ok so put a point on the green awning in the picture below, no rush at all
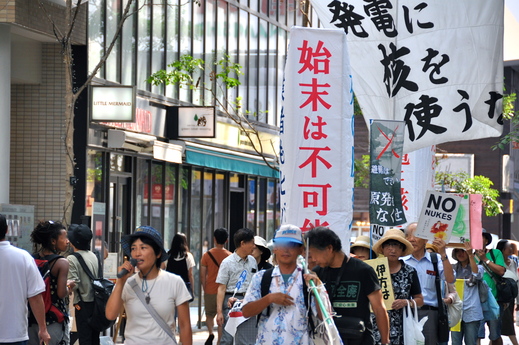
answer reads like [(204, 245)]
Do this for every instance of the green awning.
[(229, 162)]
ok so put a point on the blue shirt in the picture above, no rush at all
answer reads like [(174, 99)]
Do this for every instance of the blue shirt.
[(426, 276), (471, 303)]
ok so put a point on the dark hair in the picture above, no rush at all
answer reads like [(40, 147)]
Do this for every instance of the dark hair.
[(179, 246), (245, 235), (3, 226), (391, 241), (221, 235), (501, 244), (45, 232), (149, 242), (321, 237)]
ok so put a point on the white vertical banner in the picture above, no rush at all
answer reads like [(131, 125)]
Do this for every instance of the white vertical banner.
[(316, 137), (417, 176)]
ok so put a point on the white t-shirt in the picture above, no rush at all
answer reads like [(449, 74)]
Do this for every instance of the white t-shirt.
[(166, 292), (20, 279)]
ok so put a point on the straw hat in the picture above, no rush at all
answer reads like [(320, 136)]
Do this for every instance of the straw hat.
[(361, 241), (397, 235)]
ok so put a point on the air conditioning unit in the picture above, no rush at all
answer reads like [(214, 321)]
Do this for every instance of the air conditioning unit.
[(131, 141)]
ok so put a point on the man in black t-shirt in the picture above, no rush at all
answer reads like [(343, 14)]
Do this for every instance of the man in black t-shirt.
[(352, 286)]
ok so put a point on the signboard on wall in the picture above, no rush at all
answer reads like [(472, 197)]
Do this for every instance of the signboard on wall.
[(191, 122), (112, 103)]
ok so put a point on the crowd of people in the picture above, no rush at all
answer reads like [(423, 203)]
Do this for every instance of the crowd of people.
[(266, 283)]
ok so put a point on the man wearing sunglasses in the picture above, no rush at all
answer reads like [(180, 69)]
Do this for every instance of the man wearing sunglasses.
[(283, 311)]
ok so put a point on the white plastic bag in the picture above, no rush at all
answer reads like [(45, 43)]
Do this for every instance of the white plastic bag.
[(412, 327), (454, 310)]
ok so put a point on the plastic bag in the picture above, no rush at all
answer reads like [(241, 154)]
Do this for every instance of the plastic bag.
[(412, 327), (454, 310)]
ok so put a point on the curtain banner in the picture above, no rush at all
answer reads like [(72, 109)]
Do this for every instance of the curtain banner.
[(437, 65)]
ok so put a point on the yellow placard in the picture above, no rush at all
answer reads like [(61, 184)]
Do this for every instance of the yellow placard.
[(381, 267), (460, 288)]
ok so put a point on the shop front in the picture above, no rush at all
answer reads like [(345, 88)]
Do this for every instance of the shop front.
[(135, 176)]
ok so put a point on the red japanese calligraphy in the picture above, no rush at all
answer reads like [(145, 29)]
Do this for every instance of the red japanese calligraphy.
[(308, 225), (314, 157), (315, 95), (313, 60), (405, 159), (403, 193), (318, 133), (314, 198)]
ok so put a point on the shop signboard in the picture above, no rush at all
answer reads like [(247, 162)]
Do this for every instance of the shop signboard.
[(112, 103)]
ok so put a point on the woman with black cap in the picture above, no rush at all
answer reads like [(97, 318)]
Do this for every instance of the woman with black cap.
[(150, 297), (80, 237)]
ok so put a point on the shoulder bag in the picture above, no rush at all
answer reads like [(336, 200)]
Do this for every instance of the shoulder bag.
[(443, 316), (506, 287), (152, 311)]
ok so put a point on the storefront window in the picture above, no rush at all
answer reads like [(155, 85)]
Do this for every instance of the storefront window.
[(157, 45), (143, 46), (195, 231), (142, 193), (220, 202), (271, 204), (157, 183), (208, 214), (184, 201), (95, 177), (170, 207), (261, 196), (251, 204)]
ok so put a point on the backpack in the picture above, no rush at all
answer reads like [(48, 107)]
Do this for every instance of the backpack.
[(45, 265), (265, 287), (506, 287), (102, 290)]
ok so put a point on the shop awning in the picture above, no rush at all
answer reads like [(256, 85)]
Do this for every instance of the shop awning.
[(241, 163)]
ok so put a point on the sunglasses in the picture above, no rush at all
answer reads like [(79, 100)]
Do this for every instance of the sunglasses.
[(289, 245)]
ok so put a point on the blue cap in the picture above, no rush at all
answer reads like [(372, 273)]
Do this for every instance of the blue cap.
[(288, 233)]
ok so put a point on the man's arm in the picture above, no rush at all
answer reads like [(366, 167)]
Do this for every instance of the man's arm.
[(375, 298), (203, 275), (448, 271), (38, 310), (219, 303)]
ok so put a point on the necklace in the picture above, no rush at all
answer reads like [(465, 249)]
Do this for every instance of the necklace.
[(144, 286)]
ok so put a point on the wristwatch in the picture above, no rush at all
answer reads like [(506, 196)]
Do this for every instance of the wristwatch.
[(487, 262)]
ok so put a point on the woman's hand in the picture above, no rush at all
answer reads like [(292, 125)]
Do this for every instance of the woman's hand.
[(400, 303), (127, 266), (468, 246)]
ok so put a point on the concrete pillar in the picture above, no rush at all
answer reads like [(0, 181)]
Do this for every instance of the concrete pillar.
[(5, 111)]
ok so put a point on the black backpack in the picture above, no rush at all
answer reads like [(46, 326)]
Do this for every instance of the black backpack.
[(265, 288), (102, 291)]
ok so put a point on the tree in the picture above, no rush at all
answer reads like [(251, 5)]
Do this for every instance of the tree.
[(63, 36), (462, 183), (223, 76)]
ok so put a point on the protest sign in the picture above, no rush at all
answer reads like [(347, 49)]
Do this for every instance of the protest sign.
[(438, 216), (381, 267), (386, 145)]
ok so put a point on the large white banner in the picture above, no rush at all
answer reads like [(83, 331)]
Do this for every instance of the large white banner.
[(316, 137), (437, 65)]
